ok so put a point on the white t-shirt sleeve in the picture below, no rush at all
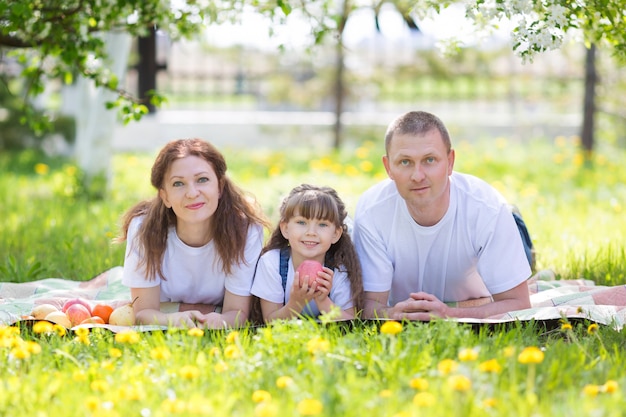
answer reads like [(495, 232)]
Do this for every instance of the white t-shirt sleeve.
[(240, 281), (502, 263), (133, 275), (341, 292), (375, 264), (267, 283)]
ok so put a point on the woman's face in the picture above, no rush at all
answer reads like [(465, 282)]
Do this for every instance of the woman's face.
[(192, 190)]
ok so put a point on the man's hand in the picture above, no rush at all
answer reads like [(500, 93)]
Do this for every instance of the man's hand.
[(419, 306)]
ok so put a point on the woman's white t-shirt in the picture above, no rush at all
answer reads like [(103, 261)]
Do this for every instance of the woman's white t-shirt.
[(193, 274)]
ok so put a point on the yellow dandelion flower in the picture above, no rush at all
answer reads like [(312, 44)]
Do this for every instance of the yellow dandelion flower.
[(132, 393), (565, 327), (420, 384), (391, 327), (215, 351), (402, 414), (578, 159), (33, 347), (266, 409), (558, 158), (59, 330), (366, 166), (284, 381), (108, 365), (459, 383), (42, 169), (352, 171), (79, 376), (317, 345), (71, 170), (424, 399), (531, 354), (232, 337), (99, 385), (189, 372), (92, 403), (20, 352), (386, 393), (220, 367), (42, 326), (160, 353), (508, 351), (468, 355), (115, 353), (82, 332), (260, 396), (490, 402), (232, 352), (491, 365), (130, 337), (610, 386), (173, 406), (593, 328), (591, 390), (447, 366), (560, 141), (310, 407), (198, 405), (362, 152), (274, 171), (195, 332)]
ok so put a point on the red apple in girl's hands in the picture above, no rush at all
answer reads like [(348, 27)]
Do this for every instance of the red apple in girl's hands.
[(310, 268)]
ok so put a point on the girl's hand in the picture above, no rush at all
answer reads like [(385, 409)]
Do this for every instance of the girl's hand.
[(324, 283), (301, 293)]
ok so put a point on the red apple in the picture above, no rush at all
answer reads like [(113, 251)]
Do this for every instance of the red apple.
[(309, 268), (73, 301), (77, 313)]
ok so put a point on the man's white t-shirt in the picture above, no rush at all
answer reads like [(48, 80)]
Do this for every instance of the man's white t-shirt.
[(474, 251), (193, 274), (268, 284)]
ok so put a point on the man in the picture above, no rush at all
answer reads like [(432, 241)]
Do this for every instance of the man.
[(434, 242)]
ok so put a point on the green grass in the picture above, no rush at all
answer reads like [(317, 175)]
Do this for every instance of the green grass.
[(575, 215)]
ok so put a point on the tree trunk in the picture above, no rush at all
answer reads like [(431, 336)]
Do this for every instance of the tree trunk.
[(589, 107), (95, 123), (340, 90), (147, 67)]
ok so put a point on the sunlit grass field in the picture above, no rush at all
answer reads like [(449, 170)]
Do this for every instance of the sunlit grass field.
[(574, 211)]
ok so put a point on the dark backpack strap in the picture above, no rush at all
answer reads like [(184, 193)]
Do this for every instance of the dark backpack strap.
[(526, 240), (284, 268)]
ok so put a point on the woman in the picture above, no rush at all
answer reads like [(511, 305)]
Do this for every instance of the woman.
[(195, 243)]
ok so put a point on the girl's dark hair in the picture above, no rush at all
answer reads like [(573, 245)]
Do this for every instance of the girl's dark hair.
[(315, 202), (235, 213)]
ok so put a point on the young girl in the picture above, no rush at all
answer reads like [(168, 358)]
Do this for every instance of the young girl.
[(312, 227), (195, 243)]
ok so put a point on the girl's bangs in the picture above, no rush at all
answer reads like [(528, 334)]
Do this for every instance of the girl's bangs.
[(313, 205)]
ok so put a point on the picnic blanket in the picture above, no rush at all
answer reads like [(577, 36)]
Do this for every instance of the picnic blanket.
[(550, 299)]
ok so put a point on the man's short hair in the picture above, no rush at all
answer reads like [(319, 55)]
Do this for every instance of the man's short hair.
[(416, 123)]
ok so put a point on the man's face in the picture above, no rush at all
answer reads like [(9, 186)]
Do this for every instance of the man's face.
[(420, 166)]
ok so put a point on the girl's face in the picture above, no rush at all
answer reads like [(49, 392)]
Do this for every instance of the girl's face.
[(192, 190), (309, 238)]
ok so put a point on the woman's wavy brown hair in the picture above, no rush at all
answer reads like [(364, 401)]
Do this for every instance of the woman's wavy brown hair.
[(235, 213)]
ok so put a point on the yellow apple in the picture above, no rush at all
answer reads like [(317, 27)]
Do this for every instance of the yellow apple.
[(42, 310), (60, 318)]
